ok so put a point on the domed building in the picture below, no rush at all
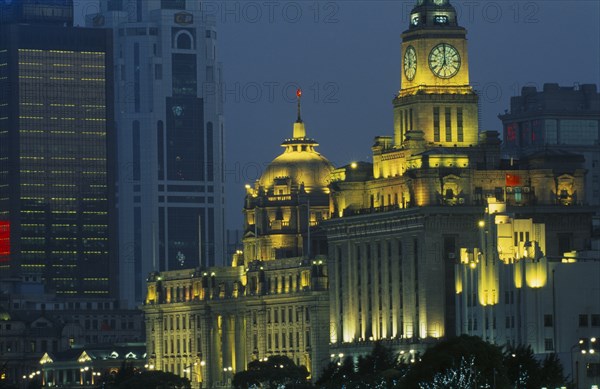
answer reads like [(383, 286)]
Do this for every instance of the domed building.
[(273, 300), (284, 207)]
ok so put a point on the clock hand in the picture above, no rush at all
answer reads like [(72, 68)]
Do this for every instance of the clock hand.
[(445, 56)]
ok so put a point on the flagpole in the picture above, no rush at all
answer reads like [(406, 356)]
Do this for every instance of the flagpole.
[(308, 224)]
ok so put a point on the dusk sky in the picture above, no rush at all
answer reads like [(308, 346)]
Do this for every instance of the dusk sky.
[(346, 57)]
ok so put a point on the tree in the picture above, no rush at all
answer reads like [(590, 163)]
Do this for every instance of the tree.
[(447, 355), (380, 359), (464, 376), (552, 372), (154, 380), (337, 372), (379, 369), (277, 371), (522, 368)]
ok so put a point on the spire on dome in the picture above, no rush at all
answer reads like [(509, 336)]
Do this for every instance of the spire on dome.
[(299, 96), (299, 129)]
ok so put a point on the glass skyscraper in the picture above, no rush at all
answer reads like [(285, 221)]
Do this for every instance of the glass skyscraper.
[(170, 138), (56, 145)]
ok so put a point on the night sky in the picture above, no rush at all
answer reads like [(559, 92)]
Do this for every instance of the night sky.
[(346, 57)]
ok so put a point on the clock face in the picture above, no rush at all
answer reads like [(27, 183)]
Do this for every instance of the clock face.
[(410, 63), (444, 60)]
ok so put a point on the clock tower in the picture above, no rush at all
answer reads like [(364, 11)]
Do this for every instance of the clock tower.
[(435, 96)]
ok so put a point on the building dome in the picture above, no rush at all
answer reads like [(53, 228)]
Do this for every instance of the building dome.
[(299, 163)]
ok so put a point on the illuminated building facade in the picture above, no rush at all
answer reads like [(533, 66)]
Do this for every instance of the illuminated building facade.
[(398, 224), (170, 124), (208, 324), (289, 200), (565, 118), (56, 165), (509, 291), (393, 231)]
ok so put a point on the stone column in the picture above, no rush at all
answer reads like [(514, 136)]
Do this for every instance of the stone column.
[(216, 361), (240, 344), (227, 343)]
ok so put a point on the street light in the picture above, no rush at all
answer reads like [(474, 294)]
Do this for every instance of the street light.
[(188, 369)]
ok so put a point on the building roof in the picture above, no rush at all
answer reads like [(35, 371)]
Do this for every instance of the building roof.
[(102, 352), (299, 162)]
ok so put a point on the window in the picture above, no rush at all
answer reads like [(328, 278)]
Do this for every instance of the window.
[(593, 370), (172, 4), (583, 320), (548, 321), (459, 125), (596, 320), (184, 41), (499, 193), (115, 5), (184, 75), (549, 344), (448, 124), (440, 19), (436, 124), (564, 243)]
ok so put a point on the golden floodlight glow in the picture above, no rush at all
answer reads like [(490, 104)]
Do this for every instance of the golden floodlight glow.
[(353, 165)]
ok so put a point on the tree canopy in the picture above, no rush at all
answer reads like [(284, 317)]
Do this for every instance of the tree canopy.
[(276, 371)]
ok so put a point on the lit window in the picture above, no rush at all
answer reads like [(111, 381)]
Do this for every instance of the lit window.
[(441, 19)]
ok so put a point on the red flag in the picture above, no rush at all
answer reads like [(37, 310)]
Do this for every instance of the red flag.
[(513, 180)]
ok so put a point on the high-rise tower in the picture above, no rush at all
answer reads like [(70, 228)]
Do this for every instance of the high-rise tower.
[(170, 137), (56, 144)]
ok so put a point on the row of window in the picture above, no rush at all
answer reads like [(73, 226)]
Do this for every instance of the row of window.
[(585, 320), (276, 315), (274, 340), (448, 124), (177, 346)]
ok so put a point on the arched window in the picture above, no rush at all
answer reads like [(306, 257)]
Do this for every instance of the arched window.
[(184, 41)]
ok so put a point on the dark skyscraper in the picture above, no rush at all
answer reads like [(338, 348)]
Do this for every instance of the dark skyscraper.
[(56, 204), (170, 138)]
